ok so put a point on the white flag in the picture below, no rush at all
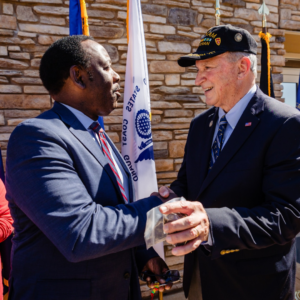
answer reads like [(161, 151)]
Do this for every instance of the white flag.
[(137, 144)]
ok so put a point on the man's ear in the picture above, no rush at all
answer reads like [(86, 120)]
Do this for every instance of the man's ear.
[(76, 75), (244, 67)]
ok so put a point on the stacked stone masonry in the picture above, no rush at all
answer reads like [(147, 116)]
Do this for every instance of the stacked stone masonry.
[(172, 28)]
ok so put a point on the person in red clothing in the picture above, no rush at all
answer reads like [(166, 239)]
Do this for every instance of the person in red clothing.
[(5, 224)]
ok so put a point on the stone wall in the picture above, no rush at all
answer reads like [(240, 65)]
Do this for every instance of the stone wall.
[(172, 28), (290, 15)]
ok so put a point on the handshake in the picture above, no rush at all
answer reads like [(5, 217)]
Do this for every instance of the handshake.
[(190, 231)]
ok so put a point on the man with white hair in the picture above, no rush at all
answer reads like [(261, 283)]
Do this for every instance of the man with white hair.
[(241, 175)]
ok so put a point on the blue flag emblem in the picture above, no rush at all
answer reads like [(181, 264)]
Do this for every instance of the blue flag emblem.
[(146, 154), (143, 124), (143, 128)]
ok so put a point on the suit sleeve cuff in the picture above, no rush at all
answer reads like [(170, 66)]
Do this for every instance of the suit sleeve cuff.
[(142, 255)]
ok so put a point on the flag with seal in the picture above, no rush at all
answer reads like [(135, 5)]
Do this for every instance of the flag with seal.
[(137, 144)]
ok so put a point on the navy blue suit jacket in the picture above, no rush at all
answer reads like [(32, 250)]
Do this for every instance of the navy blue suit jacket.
[(252, 199), (75, 238)]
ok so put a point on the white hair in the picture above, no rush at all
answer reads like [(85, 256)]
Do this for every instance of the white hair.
[(235, 56)]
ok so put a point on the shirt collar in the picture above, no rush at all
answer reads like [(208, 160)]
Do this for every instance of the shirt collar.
[(83, 119), (235, 113)]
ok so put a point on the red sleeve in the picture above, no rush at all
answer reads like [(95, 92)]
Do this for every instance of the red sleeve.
[(5, 217)]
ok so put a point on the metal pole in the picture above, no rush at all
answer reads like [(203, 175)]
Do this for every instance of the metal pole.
[(218, 14), (84, 17), (161, 295)]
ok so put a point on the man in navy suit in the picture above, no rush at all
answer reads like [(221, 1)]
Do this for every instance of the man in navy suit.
[(241, 173), (78, 233)]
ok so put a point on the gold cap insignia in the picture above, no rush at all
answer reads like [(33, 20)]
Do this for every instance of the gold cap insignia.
[(238, 37)]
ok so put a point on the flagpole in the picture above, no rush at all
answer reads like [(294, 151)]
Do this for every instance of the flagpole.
[(161, 296), (84, 17), (266, 83), (218, 14)]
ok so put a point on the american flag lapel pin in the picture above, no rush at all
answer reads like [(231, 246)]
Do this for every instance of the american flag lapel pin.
[(248, 124)]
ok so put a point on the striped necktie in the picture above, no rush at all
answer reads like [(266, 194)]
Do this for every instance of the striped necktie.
[(218, 143), (95, 126)]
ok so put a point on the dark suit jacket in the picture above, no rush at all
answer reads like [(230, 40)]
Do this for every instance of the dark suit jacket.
[(252, 199), (74, 236)]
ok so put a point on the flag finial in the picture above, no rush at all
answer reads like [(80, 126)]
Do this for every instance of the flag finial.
[(263, 10)]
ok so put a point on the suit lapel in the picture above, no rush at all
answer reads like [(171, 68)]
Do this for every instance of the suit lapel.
[(123, 164), (202, 148), (238, 137), (77, 129), (118, 155)]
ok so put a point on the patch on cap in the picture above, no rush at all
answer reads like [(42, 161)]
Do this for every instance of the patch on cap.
[(205, 41), (238, 37), (218, 41)]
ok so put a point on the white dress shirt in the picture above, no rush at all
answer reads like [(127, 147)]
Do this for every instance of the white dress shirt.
[(86, 122), (232, 118)]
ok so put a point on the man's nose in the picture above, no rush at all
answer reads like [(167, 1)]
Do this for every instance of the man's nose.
[(199, 79), (116, 76)]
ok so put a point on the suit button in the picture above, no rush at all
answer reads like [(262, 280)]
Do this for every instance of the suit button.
[(127, 275)]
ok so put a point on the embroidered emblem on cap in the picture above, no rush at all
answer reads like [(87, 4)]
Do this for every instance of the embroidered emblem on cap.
[(218, 41), (238, 37), (205, 41)]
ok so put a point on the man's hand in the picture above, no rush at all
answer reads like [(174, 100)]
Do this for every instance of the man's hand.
[(193, 229), (157, 266), (164, 194)]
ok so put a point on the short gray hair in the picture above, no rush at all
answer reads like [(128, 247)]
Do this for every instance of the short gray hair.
[(235, 56)]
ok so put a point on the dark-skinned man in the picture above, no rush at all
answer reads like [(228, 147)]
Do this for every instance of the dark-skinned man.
[(241, 173), (78, 233)]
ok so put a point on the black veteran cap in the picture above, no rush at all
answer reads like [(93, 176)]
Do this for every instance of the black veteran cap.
[(218, 40)]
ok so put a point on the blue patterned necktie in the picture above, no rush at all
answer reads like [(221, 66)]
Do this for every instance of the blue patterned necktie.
[(218, 143)]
